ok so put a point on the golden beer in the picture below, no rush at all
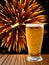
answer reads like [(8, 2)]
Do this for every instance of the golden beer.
[(34, 36)]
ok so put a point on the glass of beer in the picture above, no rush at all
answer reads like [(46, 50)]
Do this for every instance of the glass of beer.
[(34, 37)]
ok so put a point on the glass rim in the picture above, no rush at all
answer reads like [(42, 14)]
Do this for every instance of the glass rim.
[(35, 25)]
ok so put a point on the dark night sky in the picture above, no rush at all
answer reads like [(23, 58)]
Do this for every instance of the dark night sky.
[(44, 3)]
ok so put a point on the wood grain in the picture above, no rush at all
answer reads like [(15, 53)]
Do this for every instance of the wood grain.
[(21, 59)]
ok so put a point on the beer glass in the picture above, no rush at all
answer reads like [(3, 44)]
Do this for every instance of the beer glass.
[(34, 37)]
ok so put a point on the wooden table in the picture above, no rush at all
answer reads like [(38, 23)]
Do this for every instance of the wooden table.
[(19, 59)]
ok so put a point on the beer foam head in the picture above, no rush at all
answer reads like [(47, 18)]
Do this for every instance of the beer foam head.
[(35, 25)]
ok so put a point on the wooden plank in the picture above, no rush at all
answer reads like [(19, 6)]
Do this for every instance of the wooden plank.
[(1, 56), (6, 62), (19, 59), (3, 59), (9, 61), (13, 60)]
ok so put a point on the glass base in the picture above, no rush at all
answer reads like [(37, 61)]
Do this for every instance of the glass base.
[(30, 58)]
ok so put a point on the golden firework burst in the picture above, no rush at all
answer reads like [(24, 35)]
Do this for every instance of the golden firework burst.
[(12, 17)]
